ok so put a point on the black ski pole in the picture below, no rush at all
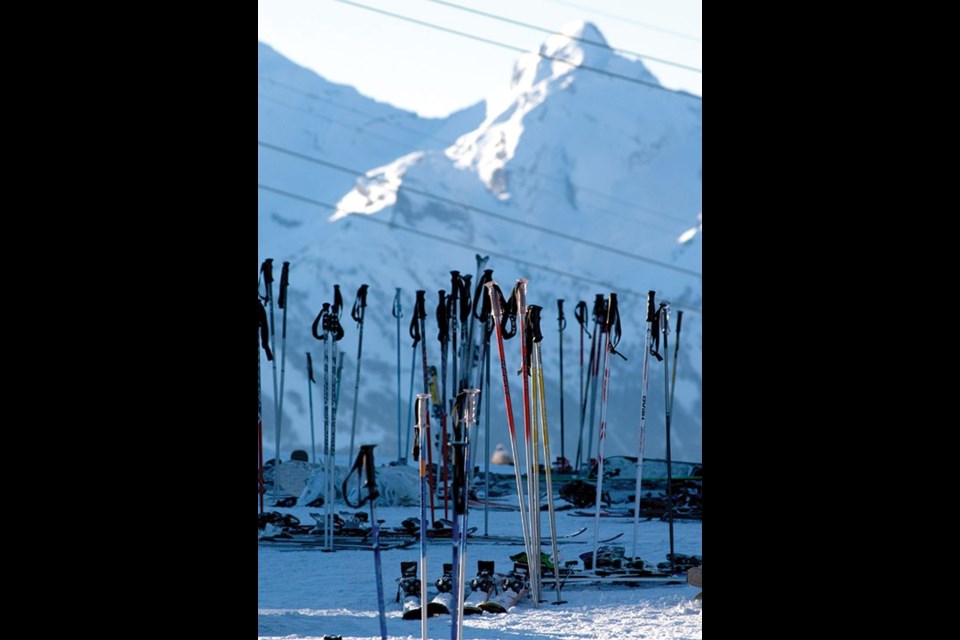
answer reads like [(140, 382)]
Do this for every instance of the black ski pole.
[(562, 323), (310, 381), (282, 303), (397, 312), (665, 329), (357, 313), (261, 341), (580, 313)]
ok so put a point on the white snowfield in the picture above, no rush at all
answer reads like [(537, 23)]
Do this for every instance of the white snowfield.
[(309, 594)]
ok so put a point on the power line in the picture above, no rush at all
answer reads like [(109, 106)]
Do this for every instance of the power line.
[(487, 212), (652, 27), (504, 45), (595, 43), (449, 241), (448, 143)]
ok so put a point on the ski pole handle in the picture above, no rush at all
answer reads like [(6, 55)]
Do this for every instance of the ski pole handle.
[(320, 321), (679, 321), (359, 304), (366, 452), (481, 302), (533, 314), (600, 310), (284, 283), (337, 301), (651, 306), (397, 310), (264, 330), (310, 368), (561, 320), (267, 270), (465, 298), (580, 313), (443, 323)]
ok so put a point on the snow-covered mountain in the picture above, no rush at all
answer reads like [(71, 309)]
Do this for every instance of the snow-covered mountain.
[(581, 182)]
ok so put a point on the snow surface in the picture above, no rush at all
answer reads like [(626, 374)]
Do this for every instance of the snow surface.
[(583, 154), (307, 594)]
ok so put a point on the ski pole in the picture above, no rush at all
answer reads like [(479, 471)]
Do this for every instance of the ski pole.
[(336, 335), (644, 386), (562, 324), (443, 336), (612, 334), (357, 313), (364, 466), (529, 452), (665, 329), (496, 310), (282, 303), (397, 312), (420, 444), (418, 332), (261, 341), (267, 270), (310, 379), (599, 318), (541, 402), (580, 313)]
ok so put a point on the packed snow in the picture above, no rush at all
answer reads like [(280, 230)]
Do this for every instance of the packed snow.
[(310, 593)]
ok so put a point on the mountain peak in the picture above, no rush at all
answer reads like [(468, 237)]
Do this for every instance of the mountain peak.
[(579, 42)]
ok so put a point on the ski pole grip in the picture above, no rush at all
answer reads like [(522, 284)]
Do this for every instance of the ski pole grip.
[(267, 270), (465, 284), (651, 306), (284, 283), (366, 451), (337, 301), (598, 308), (679, 321), (420, 306), (454, 284), (443, 324), (359, 304), (534, 314), (320, 321), (397, 309), (560, 317)]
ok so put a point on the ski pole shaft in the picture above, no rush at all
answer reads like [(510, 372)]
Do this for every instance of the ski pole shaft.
[(282, 303), (420, 455), (644, 386), (358, 313), (665, 329), (397, 312), (562, 324)]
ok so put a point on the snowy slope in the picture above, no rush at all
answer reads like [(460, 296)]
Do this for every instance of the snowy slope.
[(592, 157)]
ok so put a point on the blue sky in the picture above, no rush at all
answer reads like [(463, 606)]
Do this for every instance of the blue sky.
[(435, 73)]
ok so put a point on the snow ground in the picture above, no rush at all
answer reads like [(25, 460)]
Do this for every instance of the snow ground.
[(309, 593)]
